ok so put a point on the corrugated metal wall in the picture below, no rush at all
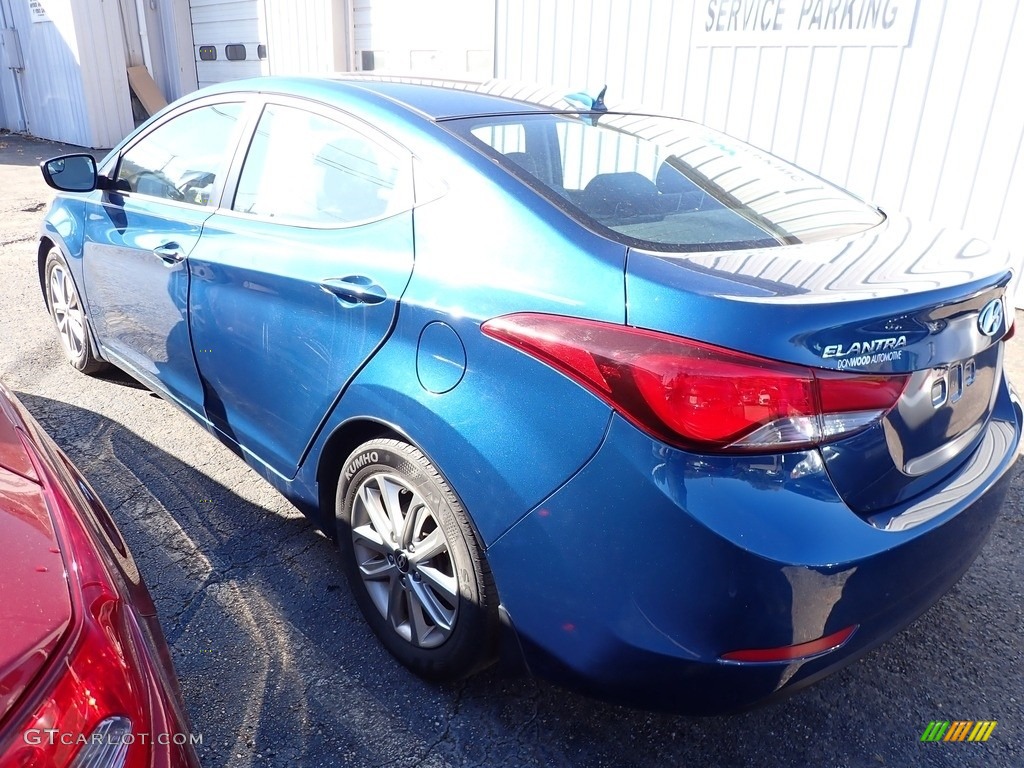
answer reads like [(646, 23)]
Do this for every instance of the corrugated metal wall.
[(306, 36), (101, 48), (174, 22), (450, 38), (73, 86), (932, 127), (50, 83)]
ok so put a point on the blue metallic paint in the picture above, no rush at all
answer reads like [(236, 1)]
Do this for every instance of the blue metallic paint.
[(137, 302), (666, 577), (272, 376), (514, 263), (440, 358), (627, 567), (672, 295), (500, 468)]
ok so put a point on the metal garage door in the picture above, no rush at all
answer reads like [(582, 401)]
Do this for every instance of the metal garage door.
[(228, 40), (453, 38)]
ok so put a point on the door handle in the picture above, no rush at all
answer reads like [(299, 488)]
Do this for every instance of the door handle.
[(354, 289), (170, 253)]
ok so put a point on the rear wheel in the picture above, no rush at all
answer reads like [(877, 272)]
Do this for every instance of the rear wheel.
[(68, 315), (415, 566)]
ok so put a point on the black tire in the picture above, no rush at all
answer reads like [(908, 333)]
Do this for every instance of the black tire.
[(402, 592), (68, 314)]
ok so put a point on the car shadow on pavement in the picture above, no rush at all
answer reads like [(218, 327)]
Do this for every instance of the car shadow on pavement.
[(279, 668), (116, 376)]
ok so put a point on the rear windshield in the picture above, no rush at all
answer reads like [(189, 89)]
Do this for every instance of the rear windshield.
[(667, 184)]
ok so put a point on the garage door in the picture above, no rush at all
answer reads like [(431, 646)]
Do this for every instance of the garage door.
[(228, 42), (453, 38)]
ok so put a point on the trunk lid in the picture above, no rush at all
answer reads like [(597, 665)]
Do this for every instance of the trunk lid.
[(898, 298)]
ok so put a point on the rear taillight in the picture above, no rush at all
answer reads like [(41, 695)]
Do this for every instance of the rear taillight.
[(89, 708), (698, 396)]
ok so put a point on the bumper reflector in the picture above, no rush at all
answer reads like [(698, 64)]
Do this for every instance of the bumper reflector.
[(793, 652)]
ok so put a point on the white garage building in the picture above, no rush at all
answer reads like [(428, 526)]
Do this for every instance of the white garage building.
[(913, 104), (64, 62)]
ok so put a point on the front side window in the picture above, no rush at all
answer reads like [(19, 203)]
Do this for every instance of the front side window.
[(181, 159), (668, 184), (308, 169)]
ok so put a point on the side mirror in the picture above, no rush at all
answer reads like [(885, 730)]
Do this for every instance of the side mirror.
[(71, 173)]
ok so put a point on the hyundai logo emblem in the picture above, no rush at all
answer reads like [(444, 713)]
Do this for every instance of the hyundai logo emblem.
[(990, 319)]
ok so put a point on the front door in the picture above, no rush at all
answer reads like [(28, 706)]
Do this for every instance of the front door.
[(138, 239), (296, 280)]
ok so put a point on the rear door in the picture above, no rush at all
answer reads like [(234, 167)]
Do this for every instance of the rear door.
[(297, 277), (138, 239)]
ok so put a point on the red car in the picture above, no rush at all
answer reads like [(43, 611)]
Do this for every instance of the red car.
[(85, 673)]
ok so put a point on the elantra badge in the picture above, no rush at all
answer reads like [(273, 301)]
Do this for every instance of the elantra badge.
[(865, 347), (990, 319)]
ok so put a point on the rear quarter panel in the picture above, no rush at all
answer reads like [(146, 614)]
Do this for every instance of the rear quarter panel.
[(512, 429)]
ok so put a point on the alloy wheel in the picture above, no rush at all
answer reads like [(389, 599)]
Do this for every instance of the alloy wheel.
[(67, 311), (404, 560)]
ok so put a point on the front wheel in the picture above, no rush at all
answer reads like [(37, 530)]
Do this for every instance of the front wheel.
[(413, 561), (68, 315)]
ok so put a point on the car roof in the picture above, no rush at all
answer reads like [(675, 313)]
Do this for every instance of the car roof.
[(435, 99)]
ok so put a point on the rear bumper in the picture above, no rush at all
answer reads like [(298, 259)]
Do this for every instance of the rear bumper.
[(633, 580)]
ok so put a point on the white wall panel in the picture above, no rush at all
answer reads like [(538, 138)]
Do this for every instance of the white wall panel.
[(975, 102), (447, 38), (844, 118), (51, 81), (561, 66), (771, 65), (101, 51), (173, 24), (941, 95), (792, 102), (74, 85), (866, 158), (817, 107), (210, 11), (741, 96), (306, 36), (658, 59), (922, 115), (716, 100), (999, 163), (219, 33)]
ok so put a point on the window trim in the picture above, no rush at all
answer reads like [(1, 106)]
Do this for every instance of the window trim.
[(112, 166), (402, 154)]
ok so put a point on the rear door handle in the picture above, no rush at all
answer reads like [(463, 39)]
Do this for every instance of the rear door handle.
[(354, 289), (170, 253)]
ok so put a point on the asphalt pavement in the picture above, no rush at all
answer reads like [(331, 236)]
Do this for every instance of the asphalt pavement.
[(279, 669)]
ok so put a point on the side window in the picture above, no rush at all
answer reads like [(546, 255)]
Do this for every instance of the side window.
[(180, 160), (306, 168)]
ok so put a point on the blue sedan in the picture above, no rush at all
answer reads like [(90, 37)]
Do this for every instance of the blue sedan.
[(650, 410)]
